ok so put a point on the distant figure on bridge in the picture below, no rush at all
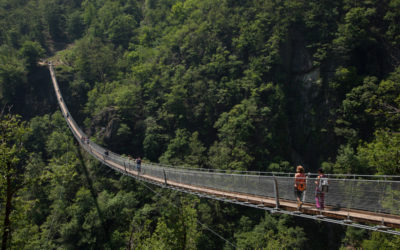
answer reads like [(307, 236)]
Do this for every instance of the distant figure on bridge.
[(299, 185), (85, 139), (138, 164), (321, 186)]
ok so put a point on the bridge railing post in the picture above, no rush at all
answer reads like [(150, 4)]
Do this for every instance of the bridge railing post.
[(165, 177), (382, 198), (303, 199), (349, 204), (276, 189)]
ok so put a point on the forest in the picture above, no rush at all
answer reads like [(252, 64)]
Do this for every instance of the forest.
[(258, 85)]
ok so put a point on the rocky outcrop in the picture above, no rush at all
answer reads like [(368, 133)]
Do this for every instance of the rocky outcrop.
[(105, 124), (305, 94)]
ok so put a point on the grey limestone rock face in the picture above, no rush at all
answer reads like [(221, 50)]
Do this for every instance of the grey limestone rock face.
[(307, 103), (105, 124)]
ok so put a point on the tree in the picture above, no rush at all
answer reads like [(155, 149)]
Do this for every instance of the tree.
[(383, 153), (248, 130), (197, 157), (93, 60), (75, 25), (176, 228), (154, 139), (355, 31), (354, 237), (347, 162), (12, 76), (13, 156), (272, 233), (235, 129), (121, 30), (55, 17), (355, 122), (381, 241), (31, 52), (393, 30), (385, 102), (177, 149)]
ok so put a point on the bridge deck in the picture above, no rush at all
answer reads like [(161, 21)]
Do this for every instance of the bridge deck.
[(388, 220), (354, 215)]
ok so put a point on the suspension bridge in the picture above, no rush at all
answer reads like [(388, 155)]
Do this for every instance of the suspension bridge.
[(362, 201)]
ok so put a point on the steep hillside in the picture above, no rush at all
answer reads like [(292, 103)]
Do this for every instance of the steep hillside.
[(248, 85)]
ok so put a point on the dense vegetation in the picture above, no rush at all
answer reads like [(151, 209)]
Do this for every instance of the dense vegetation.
[(247, 84)]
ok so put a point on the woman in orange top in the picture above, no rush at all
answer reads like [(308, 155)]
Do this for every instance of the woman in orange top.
[(299, 185)]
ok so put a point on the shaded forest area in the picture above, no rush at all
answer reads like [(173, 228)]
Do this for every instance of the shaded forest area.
[(259, 85)]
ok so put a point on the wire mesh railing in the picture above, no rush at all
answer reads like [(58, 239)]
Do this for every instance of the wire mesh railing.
[(378, 194), (284, 174)]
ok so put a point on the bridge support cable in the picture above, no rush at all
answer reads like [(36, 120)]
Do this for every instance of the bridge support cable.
[(264, 191), (276, 189), (198, 221)]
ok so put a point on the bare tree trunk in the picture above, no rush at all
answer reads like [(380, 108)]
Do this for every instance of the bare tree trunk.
[(181, 212), (7, 222), (131, 243)]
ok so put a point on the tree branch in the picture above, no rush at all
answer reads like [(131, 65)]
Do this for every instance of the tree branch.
[(393, 110)]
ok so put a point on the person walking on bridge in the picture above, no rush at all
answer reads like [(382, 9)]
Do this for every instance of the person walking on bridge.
[(299, 185), (321, 186), (138, 164)]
